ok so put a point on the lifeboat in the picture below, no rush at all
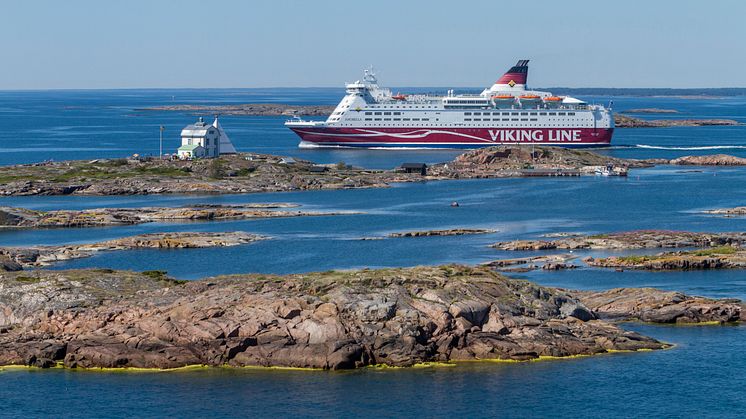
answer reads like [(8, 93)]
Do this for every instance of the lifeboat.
[(529, 100), (552, 101), (503, 100), (399, 96)]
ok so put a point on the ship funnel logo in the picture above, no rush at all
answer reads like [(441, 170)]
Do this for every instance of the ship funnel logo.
[(511, 83)]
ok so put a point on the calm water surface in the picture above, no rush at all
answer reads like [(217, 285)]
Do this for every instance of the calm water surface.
[(701, 376)]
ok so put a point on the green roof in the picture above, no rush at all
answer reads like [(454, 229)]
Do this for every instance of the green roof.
[(188, 147)]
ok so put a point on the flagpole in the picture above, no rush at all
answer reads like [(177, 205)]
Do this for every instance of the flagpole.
[(160, 143)]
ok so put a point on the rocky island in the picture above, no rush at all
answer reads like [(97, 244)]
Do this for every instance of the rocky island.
[(250, 109), (724, 257), (17, 258), (638, 239), (251, 173), (245, 173), (625, 121), (25, 218), (727, 212), (330, 320)]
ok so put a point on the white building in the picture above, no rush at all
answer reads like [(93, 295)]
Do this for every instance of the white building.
[(199, 140), (203, 140)]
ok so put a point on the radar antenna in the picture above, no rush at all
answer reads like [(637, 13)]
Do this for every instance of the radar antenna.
[(369, 75)]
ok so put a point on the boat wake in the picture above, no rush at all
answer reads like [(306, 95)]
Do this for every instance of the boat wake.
[(709, 147)]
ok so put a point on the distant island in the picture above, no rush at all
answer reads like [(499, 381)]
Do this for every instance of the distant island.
[(276, 109)]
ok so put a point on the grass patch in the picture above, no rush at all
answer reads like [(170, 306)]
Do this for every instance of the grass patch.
[(633, 259), (161, 171), (157, 275), (14, 178), (28, 279), (246, 171), (722, 250)]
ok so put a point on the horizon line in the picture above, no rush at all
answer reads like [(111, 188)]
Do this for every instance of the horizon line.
[(51, 89)]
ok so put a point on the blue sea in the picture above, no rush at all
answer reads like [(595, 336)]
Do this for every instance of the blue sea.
[(700, 376)]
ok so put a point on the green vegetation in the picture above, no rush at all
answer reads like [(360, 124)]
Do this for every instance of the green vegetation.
[(14, 178), (215, 170), (28, 279), (722, 250), (157, 275), (246, 171), (634, 259)]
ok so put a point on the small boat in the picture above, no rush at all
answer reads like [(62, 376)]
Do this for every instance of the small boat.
[(604, 171), (399, 96)]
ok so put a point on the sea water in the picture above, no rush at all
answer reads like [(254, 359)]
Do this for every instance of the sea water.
[(700, 376)]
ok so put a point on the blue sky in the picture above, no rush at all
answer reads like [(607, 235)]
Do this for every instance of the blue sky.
[(170, 43)]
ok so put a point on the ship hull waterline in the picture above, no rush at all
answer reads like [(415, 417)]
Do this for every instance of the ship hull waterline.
[(312, 137)]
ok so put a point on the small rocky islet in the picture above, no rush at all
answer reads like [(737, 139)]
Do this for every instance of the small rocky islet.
[(332, 320), (19, 258), (711, 250), (12, 217)]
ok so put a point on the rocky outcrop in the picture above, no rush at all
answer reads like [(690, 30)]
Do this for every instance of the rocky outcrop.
[(448, 232), (545, 262), (240, 173), (624, 121), (639, 239), (727, 212), (398, 317), (25, 218), (725, 257), (710, 160), (19, 257), (656, 306)]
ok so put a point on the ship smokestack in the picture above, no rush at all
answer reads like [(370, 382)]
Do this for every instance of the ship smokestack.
[(514, 79)]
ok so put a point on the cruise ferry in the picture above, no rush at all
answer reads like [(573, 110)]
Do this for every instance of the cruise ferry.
[(505, 113)]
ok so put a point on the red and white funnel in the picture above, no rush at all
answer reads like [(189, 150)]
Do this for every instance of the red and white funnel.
[(514, 79)]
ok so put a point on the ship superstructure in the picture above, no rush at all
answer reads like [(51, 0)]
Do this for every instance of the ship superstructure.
[(505, 113)]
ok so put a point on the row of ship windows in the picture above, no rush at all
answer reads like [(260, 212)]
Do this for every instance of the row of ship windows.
[(398, 119), (489, 113), (498, 119), (403, 106), (523, 125), (522, 113)]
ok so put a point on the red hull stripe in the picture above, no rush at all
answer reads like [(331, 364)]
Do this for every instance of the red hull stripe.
[(518, 78), (440, 137)]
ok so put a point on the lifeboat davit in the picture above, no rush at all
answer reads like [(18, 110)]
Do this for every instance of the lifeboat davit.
[(399, 96)]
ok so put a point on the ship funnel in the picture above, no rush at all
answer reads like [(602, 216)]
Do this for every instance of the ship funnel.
[(514, 79)]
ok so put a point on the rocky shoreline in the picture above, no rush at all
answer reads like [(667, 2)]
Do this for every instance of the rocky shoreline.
[(447, 232), (11, 217), (18, 258), (249, 173), (253, 173), (330, 320), (638, 239), (725, 257)]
